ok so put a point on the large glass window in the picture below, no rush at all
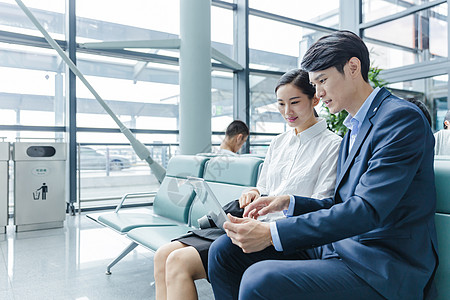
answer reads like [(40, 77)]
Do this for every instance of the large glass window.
[(127, 20), (32, 86), (222, 26), (151, 92), (414, 38), (144, 95), (375, 9), (270, 49), (431, 91), (222, 103), (264, 115)]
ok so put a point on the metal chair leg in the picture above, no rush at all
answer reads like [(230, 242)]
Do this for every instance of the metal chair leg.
[(127, 250)]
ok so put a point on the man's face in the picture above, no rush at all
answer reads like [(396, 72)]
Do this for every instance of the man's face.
[(332, 87)]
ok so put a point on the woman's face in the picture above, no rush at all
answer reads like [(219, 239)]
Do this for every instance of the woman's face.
[(295, 107)]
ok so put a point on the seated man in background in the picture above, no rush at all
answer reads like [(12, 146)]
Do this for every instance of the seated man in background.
[(235, 136), (376, 237), (442, 137)]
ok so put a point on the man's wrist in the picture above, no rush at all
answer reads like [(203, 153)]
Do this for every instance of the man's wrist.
[(274, 237), (286, 201)]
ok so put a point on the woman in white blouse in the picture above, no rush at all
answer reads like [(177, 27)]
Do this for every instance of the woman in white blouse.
[(301, 161)]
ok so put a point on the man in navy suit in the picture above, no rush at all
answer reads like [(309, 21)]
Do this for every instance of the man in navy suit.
[(376, 237)]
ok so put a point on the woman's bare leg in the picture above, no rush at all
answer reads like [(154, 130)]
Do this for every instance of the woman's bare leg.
[(159, 268), (183, 266)]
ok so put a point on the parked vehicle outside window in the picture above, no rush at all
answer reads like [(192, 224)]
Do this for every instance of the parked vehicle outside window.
[(91, 159)]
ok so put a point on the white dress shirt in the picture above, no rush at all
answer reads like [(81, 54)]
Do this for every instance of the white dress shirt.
[(442, 146), (225, 152), (301, 164)]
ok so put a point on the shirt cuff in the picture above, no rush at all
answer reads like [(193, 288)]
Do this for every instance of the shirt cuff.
[(275, 237), (290, 211)]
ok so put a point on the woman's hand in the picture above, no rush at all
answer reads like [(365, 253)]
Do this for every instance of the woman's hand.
[(248, 197), (265, 205)]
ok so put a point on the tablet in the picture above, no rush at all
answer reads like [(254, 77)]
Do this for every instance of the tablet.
[(209, 200)]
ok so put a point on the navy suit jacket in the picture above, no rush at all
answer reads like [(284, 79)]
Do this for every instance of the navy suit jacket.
[(381, 218)]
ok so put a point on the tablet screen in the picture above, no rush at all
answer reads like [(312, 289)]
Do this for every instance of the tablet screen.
[(209, 200)]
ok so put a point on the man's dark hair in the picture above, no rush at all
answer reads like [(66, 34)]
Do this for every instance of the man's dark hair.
[(300, 79), (237, 127), (335, 50)]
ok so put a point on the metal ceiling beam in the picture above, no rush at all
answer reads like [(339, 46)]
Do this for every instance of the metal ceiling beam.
[(274, 17), (416, 71), (51, 63), (145, 44)]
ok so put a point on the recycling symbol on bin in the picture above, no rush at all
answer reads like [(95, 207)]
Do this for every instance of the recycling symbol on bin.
[(41, 193)]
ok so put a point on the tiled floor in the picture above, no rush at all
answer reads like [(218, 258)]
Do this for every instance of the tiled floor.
[(70, 263)]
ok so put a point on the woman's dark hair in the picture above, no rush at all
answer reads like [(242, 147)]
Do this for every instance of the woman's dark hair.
[(237, 127), (300, 79), (335, 50)]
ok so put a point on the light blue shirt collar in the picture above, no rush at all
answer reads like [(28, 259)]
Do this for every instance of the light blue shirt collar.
[(354, 123)]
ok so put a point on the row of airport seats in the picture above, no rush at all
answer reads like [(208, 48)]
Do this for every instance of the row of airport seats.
[(175, 210), (176, 207), (442, 218)]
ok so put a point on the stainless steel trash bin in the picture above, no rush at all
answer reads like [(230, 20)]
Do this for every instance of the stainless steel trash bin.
[(39, 185), (4, 191)]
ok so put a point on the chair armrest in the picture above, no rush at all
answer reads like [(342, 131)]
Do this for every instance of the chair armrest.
[(124, 197)]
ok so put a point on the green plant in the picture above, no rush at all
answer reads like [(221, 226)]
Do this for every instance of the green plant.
[(335, 122)]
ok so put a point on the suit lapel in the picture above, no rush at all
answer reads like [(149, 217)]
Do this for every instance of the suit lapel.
[(346, 161), (343, 152)]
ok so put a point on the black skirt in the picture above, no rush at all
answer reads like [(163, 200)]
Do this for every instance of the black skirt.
[(202, 239)]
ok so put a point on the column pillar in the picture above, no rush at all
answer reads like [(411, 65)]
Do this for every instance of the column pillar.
[(195, 76), (241, 95)]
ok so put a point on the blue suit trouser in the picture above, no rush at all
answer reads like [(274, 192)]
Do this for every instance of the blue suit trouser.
[(270, 274)]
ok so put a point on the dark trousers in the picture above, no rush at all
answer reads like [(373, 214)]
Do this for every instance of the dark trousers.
[(270, 274)]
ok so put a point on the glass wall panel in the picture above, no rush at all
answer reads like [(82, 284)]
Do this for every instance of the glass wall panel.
[(49, 13), (325, 14), (264, 114), (375, 9), (151, 92), (271, 50), (385, 56), (438, 32), (222, 102), (127, 20), (432, 91), (32, 86), (411, 39), (107, 172), (222, 26)]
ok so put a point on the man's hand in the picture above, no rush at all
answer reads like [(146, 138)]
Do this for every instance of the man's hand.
[(248, 197), (251, 235), (265, 205)]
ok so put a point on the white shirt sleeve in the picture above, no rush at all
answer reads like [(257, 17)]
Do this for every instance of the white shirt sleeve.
[(326, 179), (262, 180)]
